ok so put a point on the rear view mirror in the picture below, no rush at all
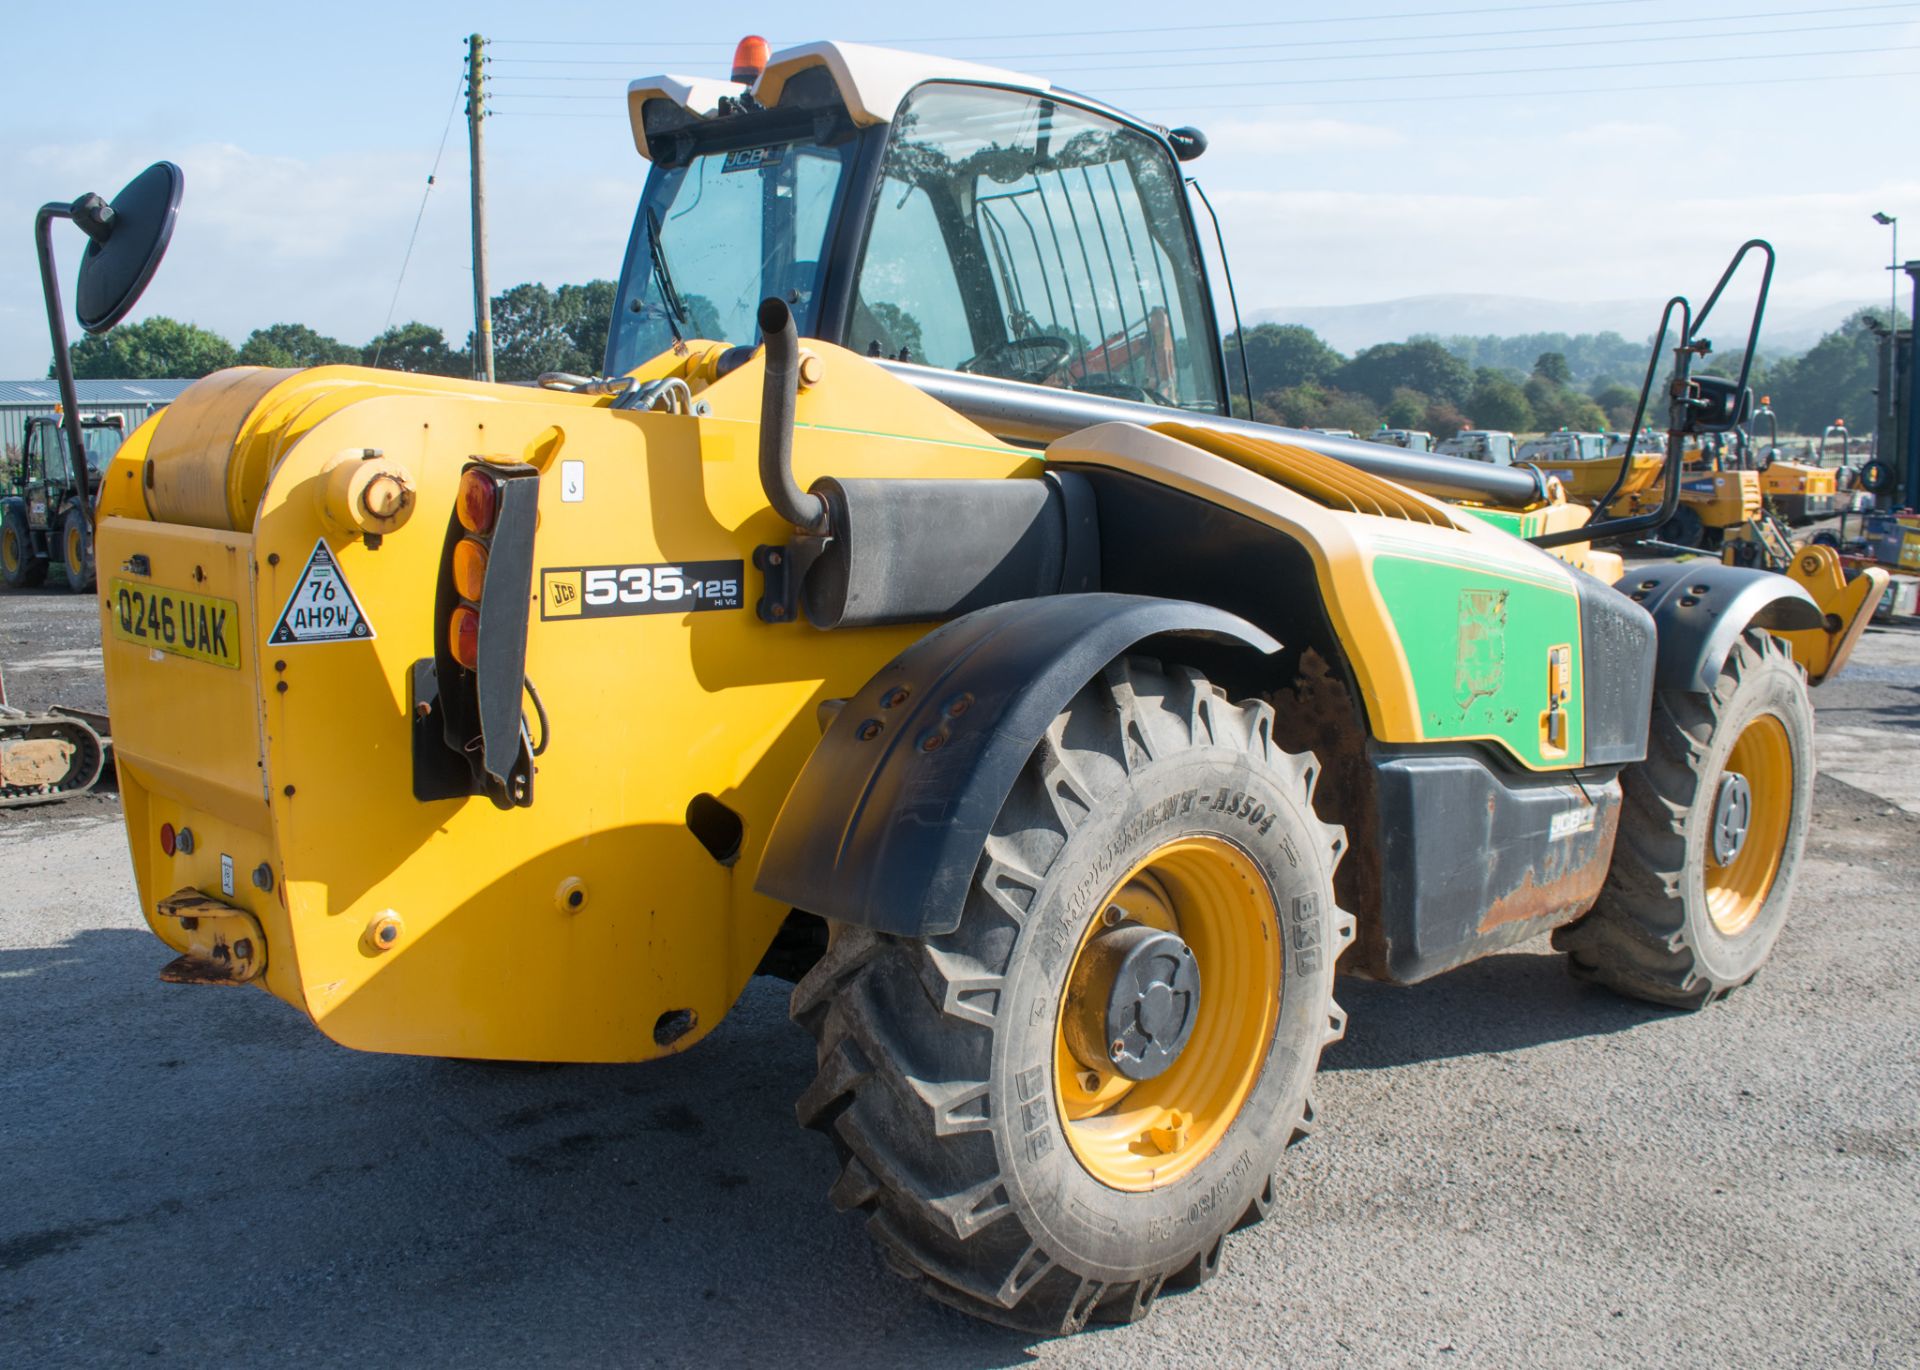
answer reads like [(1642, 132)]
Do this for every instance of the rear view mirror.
[(129, 237), (126, 242), (1716, 405)]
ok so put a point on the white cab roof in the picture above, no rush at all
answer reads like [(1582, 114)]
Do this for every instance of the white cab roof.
[(872, 82)]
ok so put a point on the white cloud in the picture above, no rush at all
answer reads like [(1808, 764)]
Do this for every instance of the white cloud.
[(266, 239)]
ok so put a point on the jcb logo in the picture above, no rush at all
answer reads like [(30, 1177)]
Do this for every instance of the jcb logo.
[(562, 594)]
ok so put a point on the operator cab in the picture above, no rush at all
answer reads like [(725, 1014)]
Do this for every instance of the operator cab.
[(920, 210)]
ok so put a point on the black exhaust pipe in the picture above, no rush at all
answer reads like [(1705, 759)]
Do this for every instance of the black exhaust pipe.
[(805, 511)]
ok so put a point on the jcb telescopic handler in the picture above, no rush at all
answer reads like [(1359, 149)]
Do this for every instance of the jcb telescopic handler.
[(903, 612)]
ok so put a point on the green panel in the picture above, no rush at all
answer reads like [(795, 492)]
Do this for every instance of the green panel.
[(1476, 643), (1521, 525)]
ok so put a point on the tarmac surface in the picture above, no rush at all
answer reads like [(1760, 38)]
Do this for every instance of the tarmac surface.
[(1511, 1167)]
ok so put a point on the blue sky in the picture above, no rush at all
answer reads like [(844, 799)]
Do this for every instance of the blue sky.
[(1607, 150)]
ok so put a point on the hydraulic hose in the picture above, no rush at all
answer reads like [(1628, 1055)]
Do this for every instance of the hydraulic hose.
[(805, 511)]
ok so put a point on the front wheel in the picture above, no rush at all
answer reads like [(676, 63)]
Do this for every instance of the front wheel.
[(1711, 833), (1066, 1104), (76, 546)]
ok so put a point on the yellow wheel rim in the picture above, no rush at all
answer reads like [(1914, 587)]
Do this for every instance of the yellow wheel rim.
[(73, 550), (1737, 891), (9, 550), (1139, 1135)]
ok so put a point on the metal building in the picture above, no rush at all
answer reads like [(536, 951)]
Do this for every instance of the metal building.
[(134, 401)]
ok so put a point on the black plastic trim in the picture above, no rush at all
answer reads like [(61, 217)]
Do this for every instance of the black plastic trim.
[(1618, 645), (1700, 608), (885, 825), (1470, 860)]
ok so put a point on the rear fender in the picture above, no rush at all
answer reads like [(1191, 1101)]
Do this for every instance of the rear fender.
[(885, 824), (1700, 608)]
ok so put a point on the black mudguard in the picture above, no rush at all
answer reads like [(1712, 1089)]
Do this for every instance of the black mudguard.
[(885, 824), (1700, 609)]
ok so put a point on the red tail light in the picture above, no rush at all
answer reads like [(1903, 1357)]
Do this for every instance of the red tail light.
[(463, 636), (167, 838), (478, 500)]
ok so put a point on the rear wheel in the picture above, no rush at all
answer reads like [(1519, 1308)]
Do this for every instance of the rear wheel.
[(1065, 1104), (77, 551), (1711, 834), (18, 564)]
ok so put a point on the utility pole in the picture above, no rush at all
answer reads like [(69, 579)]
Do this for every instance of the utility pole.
[(476, 115)]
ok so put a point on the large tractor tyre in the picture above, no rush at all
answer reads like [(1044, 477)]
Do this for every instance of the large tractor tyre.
[(1877, 476), (1711, 834), (1684, 529), (18, 564), (76, 548), (1065, 1104)]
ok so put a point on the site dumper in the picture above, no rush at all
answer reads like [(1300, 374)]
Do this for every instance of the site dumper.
[(1059, 734)]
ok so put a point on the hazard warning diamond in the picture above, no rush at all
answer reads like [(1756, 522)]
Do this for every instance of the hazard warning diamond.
[(321, 607)]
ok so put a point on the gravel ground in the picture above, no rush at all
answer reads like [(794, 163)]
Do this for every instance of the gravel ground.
[(1511, 1167)]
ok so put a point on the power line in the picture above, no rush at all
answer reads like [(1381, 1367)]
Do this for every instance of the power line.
[(1185, 108), (1504, 47), (432, 176), (1246, 63), (1184, 28), (1550, 71)]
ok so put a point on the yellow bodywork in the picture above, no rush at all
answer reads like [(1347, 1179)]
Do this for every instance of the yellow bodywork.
[(569, 929), (1846, 604)]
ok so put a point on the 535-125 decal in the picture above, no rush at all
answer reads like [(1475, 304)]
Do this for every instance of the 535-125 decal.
[(673, 587)]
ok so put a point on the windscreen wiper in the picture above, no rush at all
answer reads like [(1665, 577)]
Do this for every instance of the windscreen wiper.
[(663, 276)]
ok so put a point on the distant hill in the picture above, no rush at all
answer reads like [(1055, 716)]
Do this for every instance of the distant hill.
[(1350, 327)]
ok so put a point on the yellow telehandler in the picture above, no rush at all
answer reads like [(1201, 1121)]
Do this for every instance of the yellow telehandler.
[(1058, 732)]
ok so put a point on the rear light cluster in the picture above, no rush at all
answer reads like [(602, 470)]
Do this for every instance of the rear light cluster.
[(477, 505)]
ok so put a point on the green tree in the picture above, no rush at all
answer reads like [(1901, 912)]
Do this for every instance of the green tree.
[(536, 329), (294, 344), (153, 349), (1425, 366), (1442, 420), (586, 312), (1497, 403), (1553, 366), (1406, 409), (1279, 355), (418, 347), (1835, 379), (1618, 401)]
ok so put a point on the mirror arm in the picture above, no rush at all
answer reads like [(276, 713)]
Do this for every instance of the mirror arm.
[(1670, 495), (97, 227)]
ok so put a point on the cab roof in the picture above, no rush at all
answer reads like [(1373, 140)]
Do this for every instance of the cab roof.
[(871, 81)]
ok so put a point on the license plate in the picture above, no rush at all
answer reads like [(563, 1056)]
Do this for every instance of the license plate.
[(200, 627)]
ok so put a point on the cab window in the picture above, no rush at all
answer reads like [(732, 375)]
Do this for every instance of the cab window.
[(1020, 237)]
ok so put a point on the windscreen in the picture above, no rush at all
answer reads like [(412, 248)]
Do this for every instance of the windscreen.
[(1018, 236), (101, 443), (719, 234)]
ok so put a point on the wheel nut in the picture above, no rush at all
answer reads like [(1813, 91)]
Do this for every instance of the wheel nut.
[(1113, 915), (1090, 1081), (1118, 1049)]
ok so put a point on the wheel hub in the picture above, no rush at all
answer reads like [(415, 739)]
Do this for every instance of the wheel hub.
[(1136, 999), (1732, 816)]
